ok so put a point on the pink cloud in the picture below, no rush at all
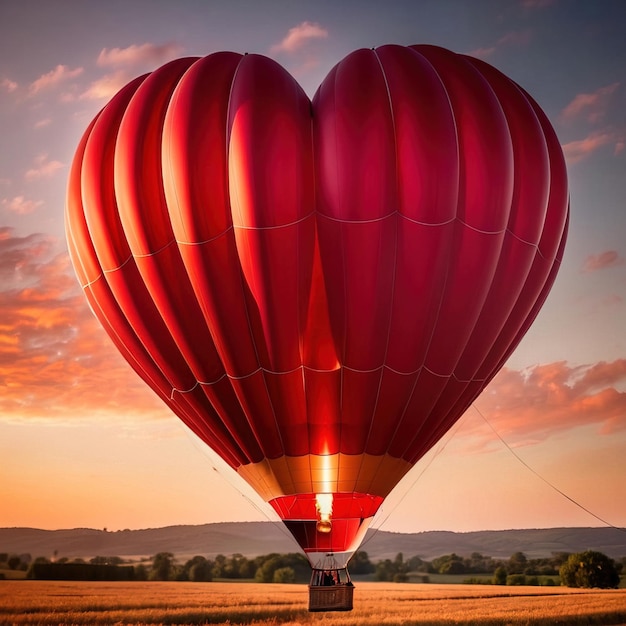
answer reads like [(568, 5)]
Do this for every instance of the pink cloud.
[(576, 151), (299, 35), (43, 168), (20, 205), (58, 75), (8, 85), (135, 55), (595, 262), (43, 122), (591, 106), (552, 398)]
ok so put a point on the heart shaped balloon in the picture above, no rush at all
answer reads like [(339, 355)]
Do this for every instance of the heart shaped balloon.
[(319, 289)]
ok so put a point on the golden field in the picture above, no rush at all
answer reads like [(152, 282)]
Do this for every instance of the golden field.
[(375, 604)]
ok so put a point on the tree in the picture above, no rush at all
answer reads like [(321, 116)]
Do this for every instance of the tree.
[(199, 570), (361, 564), (219, 566), (162, 566), (589, 569), (396, 570), (14, 561), (499, 576), (449, 564), (265, 573), (285, 575), (517, 563), (106, 560)]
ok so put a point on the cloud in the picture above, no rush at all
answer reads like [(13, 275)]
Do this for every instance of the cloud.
[(8, 85), (124, 61), (299, 35), (57, 76), (107, 86), (482, 53), (43, 122), (595, 262), (576, 151), (534, 404), (55, 360), (20, 205), (43, 168), (592, 106), (513, 38), (146, 53)]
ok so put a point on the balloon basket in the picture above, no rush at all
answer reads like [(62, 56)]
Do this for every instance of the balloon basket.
[(331, 588)]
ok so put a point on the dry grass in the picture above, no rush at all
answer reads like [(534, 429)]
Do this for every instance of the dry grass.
[(376, 604)]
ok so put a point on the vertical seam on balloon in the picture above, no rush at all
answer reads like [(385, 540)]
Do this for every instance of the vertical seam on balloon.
[(396, 225), (343, 266), (441, 419), (251, 425), (243, 449), (538, 253), (167, 120), (455, 220), (315, 248)]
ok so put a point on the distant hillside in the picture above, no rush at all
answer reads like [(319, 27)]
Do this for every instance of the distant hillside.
[(255, 538)]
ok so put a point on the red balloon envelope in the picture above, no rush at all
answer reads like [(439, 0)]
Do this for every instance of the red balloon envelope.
[(319, 289)]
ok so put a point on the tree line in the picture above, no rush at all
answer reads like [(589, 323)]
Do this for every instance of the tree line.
[(582, 569), (585, 569)]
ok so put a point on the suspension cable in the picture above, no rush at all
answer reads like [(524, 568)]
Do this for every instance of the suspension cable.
[(545, 480)]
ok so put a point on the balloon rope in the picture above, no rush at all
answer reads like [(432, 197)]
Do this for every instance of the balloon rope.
[(439, 450), (225, 474), (545, 480)]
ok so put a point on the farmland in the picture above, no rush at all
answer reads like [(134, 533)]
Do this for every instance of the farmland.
[(56, 602)]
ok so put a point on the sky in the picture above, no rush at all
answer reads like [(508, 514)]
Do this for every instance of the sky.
[(84, 443)]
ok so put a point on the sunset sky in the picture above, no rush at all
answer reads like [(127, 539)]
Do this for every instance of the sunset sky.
[(83, 442)]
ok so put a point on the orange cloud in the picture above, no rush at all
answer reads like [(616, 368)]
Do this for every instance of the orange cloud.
[(107, 86), (595, 262), (552, 398), (299, 35), (147, 53), (55, 360), (58, 75)]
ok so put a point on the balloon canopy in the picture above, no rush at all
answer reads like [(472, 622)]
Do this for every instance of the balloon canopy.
[(319, 289)]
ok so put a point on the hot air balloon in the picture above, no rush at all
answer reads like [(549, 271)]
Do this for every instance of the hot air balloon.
[(319, 288)]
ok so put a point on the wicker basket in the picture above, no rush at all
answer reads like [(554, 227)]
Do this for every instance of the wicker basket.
[(331, 598)]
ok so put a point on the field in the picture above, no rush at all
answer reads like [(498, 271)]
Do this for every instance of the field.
[(375, 604)]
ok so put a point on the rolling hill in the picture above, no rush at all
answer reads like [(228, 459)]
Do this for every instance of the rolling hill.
[(255, 538)]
